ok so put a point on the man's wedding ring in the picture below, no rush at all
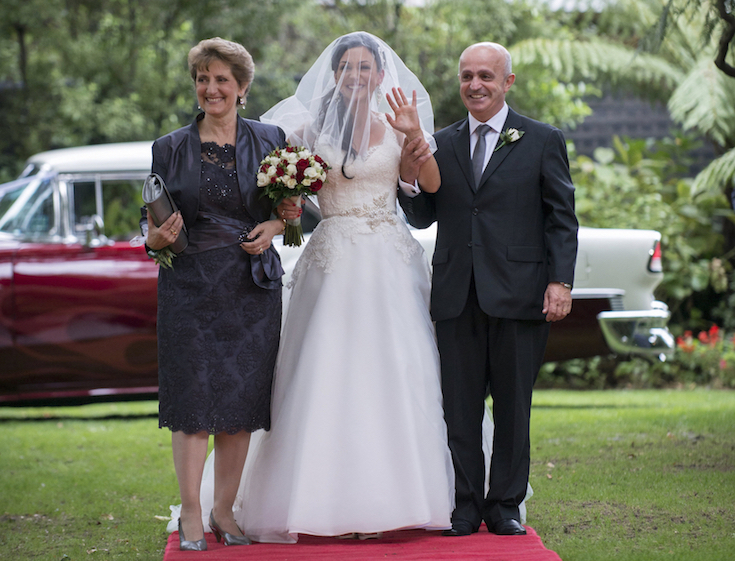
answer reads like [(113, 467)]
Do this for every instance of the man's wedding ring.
[(260, 250)]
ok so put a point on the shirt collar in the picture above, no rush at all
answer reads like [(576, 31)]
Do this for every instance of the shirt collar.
[(496, 122)]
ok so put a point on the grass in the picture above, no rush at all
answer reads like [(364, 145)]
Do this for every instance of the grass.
[(623, 475), (84, 482), (634, 475)]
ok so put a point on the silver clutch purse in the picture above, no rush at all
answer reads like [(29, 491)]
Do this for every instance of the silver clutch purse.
[(159, 203)]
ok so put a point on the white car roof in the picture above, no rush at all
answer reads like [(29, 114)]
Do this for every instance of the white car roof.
[(121, 156)]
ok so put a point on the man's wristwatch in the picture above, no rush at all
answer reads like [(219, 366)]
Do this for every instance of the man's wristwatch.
[(565, 284)]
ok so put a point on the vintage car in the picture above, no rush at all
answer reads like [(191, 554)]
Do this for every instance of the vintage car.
[(78, 301)]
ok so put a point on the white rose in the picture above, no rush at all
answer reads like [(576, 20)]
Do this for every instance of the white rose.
[(304, 155), (290, 183), (292, 157), (311, 173), (263, 180), (513, 135), (291, 169), (273, 160), (307, 182), (271, 171)]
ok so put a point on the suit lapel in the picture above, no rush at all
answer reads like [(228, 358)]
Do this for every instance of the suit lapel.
[(461, 145), (512, 121)]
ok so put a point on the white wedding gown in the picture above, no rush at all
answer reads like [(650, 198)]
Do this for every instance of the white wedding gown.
[(358, 441)]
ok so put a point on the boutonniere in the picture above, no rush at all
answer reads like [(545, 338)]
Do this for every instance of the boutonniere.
[(508, 136)]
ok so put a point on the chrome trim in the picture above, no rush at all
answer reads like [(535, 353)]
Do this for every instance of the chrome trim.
[(639, 332)]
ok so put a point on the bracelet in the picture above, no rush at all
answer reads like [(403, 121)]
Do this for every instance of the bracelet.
[(283, 226), (565, 284)]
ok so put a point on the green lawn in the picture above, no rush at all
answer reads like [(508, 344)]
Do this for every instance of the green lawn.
[(617, 475), (641, 475)]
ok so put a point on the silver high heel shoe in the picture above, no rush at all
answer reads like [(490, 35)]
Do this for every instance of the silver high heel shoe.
[(229, 539), (186, 545)]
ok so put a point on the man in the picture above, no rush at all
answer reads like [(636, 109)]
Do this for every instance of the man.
[(503, 268)]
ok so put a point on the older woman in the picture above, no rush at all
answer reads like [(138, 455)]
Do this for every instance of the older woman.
[(219, 307)]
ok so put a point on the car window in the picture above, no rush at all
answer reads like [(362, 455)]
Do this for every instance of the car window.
[(122, 201), (27, 207), (119, 206), (85, 202)]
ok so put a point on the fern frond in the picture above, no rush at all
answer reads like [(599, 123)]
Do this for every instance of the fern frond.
[(705, 101), (717, 176), (599, 61)]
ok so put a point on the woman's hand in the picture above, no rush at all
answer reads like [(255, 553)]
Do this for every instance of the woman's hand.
[(262, 236), (287, 210), (166, 234), (407, 116)]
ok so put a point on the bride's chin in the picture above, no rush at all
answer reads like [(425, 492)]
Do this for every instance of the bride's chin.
[(354, 96)]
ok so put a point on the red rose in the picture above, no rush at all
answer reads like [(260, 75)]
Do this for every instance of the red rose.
[(316, 185)]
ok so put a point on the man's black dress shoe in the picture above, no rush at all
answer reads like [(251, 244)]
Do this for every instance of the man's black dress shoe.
[(459, 529), (508, 527)]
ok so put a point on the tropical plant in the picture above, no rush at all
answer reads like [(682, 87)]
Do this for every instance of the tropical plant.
[(639, 184)]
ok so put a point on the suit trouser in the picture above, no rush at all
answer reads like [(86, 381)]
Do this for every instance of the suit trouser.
[(481, 354)]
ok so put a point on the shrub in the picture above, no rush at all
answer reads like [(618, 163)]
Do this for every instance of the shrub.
[(705, 360)]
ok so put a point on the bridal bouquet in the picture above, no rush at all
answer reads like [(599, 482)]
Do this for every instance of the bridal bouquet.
[(291, 173)]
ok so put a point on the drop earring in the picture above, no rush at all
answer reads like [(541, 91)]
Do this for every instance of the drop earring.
[(379, 95)]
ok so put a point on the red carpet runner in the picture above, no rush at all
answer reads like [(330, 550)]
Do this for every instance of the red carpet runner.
[(412, 545)]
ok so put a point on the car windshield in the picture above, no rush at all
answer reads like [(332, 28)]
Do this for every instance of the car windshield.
[(26, 206)]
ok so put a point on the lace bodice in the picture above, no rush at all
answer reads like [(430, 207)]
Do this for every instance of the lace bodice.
[(363, 205), (374, 179)]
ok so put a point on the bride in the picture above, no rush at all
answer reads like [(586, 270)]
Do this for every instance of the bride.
[(358, 443)]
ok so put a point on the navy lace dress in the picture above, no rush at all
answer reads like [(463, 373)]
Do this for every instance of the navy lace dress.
[(218, 332)]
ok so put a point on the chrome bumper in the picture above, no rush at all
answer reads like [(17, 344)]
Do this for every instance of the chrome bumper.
[(639, 332)]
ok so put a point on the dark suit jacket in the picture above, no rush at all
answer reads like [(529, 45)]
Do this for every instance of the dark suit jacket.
[(517, 232), (177, 159)]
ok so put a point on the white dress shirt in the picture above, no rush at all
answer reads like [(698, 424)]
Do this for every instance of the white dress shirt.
[(495, 123)]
